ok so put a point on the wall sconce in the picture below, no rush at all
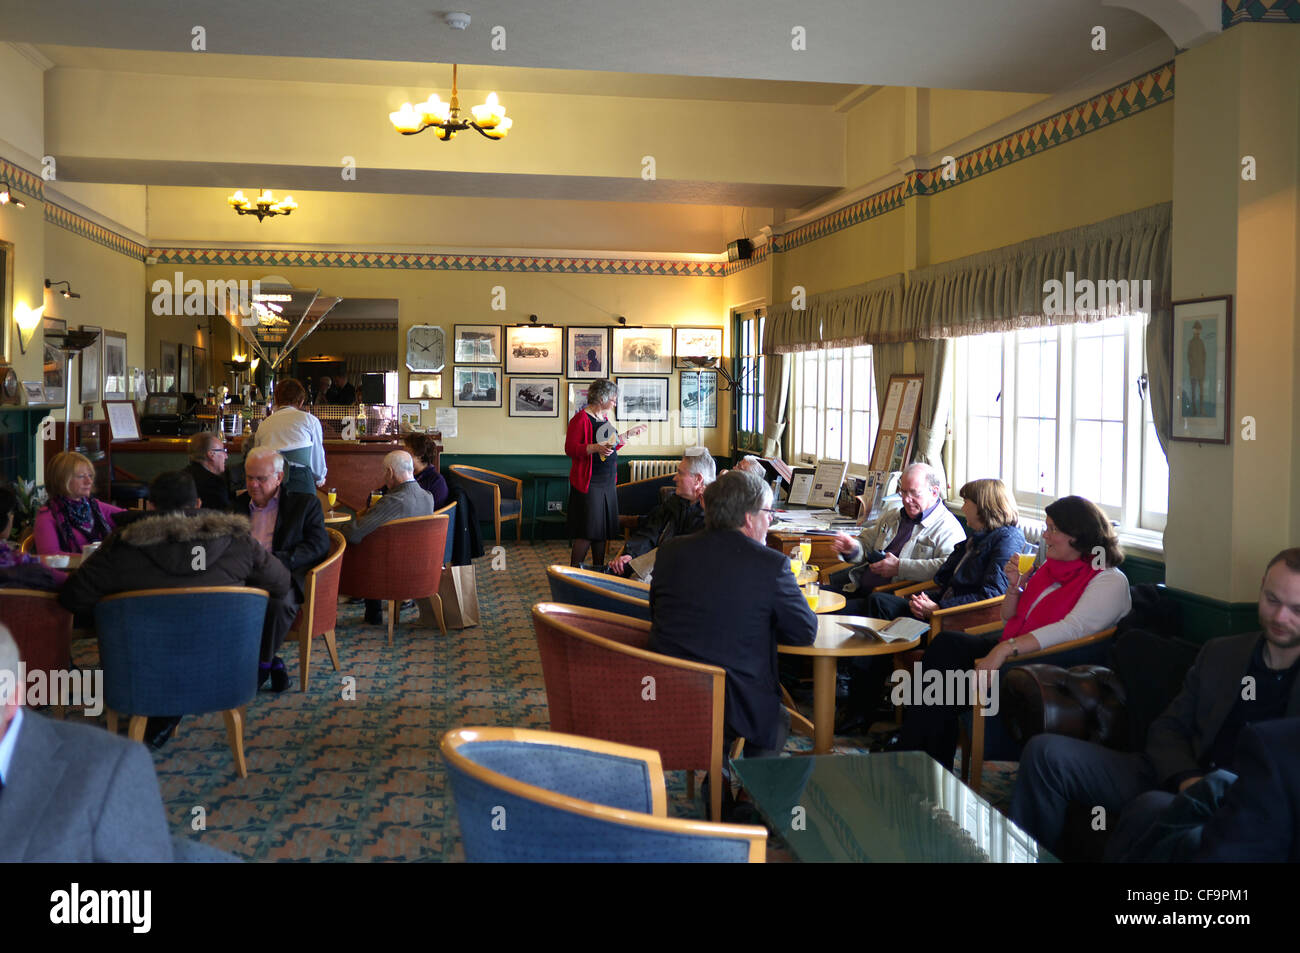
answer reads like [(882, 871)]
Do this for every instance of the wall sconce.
[(532, 323), (66, 292), (621, 319), (7, 197), (27, 321)]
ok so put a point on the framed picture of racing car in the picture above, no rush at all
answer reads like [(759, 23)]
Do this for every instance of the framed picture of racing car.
[(643, 351), (699, 399), (534, 397), (643, 398), (477, 344), (534, 349)]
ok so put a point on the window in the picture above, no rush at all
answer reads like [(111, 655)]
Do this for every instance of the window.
[(750, 367), (833, 409), (1059, 411)]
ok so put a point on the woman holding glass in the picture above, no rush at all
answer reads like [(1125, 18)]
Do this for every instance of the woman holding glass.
[(593, 502)]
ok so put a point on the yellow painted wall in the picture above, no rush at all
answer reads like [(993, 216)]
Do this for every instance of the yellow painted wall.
[(342, 343), (874, 136), (448, 298), (24, 228), (870, 249), (952, 114)]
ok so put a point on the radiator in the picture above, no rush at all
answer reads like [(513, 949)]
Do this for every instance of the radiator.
[(644, 469), (1033, 530)]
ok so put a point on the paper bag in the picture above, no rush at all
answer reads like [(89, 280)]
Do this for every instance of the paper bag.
[(459, 597)]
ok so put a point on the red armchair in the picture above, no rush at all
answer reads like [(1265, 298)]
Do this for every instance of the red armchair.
[(401, 560)]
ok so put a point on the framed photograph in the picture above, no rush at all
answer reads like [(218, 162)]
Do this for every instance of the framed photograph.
[(534, 350), (577, 396), (115, 378), (699, 399), (91, 361), (587, 353), (1202, 370), (642, 398), (424, 386), (185, 369), (167, 352), (643, 351), (199, 374), (53, 369), (534, 397), (35, 392), (698, 342), (477, 387), (477, 344)]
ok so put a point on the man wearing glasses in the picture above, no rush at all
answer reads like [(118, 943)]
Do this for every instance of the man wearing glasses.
[(208, 455)]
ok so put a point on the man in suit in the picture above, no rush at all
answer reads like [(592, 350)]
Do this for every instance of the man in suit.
[(1235, 681), (1259, 820), (291, 526), (403, 497), (723, 597), (72, 793), (208, 455)]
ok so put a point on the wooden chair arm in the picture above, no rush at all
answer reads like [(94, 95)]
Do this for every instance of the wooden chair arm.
[(915, 587), (895, 585), (799, 725), (1078, 643), (982, 629), (828, 571), (953, 611)]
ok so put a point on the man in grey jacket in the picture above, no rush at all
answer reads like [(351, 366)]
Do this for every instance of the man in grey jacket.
[(403, 498), (911, 540)]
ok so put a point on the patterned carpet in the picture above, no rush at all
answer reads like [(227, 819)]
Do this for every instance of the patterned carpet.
[(335, 779)]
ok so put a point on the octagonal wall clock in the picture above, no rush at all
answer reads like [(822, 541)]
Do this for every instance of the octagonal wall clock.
[(426, 349)]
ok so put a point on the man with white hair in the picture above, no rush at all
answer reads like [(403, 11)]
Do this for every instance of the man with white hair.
[(72, 793), (678, 515), (403, 498), (751, 464), (910, 539), (291, 526)]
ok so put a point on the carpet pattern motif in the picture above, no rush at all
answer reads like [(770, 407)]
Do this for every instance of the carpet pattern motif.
[(360, 778)]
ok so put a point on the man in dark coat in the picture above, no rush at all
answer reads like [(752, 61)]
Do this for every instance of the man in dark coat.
[(291, 526), (723, 597), (679, 515), (208, 455)]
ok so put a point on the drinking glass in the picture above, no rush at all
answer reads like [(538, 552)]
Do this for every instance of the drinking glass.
[(375, 498), (805, 548), (812, 594), (333, 496), (1027, 562)]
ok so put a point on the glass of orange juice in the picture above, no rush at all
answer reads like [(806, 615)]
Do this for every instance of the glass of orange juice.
[(333, 496), (375, 498), (812, 593), (805, 548), (1027, 562)]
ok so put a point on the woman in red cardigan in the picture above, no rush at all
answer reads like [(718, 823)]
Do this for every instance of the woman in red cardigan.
[(593, 503)]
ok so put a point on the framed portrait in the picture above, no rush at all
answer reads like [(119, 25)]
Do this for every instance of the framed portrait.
[(53, 369), (167, 354), (199, 375), (643, 351), (698, 342), (116, 381), (91, 361), (424, 386), (34, 391), (534, 397), (1202, 370), (577, 396), (699, 399), (185, 369), (531, 349), (587, 353), (477, 344), (643, 398), (476, 387)]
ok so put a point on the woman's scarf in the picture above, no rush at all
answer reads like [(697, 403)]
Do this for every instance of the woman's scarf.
[(1073, 577), (84, 516)]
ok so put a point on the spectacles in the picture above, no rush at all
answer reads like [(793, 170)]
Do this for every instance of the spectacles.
[(219, 450)]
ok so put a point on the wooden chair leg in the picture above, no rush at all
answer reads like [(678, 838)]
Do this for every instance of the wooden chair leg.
[(135, 727), (963, 741), (332, 648), (304, 659), (235, 735), (436, 601), (519, 528), (977, 750), (690, 784), (716, 781), (496, 519), (111, 716), (392, 618)]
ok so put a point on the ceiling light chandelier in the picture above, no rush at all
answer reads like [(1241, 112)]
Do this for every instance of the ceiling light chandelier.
[(489, 120), (264, 206)]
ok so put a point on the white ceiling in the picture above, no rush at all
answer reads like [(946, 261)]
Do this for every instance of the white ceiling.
[(1021, 45)]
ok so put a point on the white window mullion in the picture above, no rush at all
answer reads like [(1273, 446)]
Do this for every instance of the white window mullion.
[(1064, 410)]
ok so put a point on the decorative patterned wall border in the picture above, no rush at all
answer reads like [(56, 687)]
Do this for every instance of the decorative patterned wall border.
[(426, 262), (21, 180), (79, 225), (1127, 99), (760, 255), (1259, 11)]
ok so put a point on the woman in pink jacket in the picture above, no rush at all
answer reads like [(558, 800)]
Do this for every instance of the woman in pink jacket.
[(73, 517)]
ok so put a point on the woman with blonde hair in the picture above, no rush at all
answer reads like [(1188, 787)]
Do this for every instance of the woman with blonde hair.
[(73, 516)]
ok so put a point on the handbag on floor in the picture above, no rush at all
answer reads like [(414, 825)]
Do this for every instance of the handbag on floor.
[(459, 597)]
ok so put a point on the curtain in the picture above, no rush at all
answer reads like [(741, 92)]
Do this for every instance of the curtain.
[(844, 318), (776, 393), (886, 360), (934, 361)]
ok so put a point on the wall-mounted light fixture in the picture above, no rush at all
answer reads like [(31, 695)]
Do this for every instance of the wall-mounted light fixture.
[(66, 292), (28, 321), (532, 323), (621, 318), (8, 197)]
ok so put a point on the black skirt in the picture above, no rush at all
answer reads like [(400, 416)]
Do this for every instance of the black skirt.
[(594, 515)]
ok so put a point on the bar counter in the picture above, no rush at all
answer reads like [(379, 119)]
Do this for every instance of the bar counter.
[(353, 467)]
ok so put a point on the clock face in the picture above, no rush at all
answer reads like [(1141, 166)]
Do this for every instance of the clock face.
[(426, 349)]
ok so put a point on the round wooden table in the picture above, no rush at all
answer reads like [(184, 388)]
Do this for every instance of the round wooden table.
[(333, 517), (834, 642), (828, 601)]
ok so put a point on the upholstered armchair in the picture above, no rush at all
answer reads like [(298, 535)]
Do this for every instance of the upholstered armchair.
[(495, 493)]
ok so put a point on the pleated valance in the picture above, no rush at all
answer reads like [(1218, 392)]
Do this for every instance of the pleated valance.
[(1099, 272), (844, 318)]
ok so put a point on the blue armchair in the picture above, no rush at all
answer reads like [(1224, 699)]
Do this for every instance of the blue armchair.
[(598, 590), (181, 652), (540, 796)]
